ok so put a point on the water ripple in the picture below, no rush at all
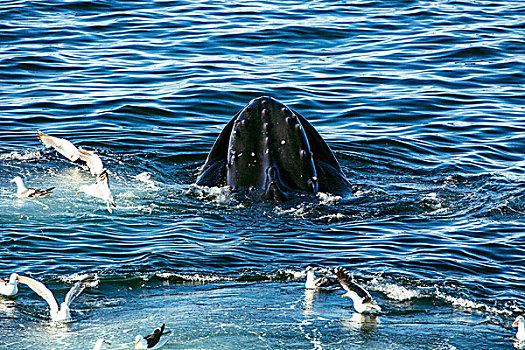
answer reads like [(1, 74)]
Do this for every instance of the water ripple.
[(422, 104)]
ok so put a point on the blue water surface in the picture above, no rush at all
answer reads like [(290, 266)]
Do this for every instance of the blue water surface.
[(422, 103)]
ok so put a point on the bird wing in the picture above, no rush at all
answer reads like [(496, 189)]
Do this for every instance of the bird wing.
[(92, 160), (28, 192), (62, 146), (103, 185), (40, 289), (39, 193), (78, 288), (326, 281), (346, 278), (162, 341), (154, 338)]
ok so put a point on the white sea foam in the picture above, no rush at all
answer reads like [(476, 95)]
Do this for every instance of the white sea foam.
[(328, 198), (26, 155), (194, 278), (279, 275), (465, 303), (300, 211), (332, 217), (294, 274), (434, 202), (145, 178), (394, 291), (77, 277), (219, 195), (128, 195)]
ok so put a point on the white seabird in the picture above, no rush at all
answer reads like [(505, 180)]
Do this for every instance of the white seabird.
[(92, 160), (100, 189), (9, 287), (23, 192), (153, 341), (363, 302), (314, 283), (62, 146), (71, 152), (520, 323), (57, 313), (99, 345)]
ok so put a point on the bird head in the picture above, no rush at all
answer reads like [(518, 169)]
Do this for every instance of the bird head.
[(310, 274), (140, 342), (82, 189), (518, 320), (16, 179), (100, 342)]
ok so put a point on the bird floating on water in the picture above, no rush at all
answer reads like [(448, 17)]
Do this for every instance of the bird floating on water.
[(520, 323), (363, 302), (314, 283), (99, 345), (23, 192), (153, 341), (100, 189), (9, 287), (57, 313)]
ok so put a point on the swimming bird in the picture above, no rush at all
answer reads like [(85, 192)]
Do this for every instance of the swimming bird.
[(71, 152), (152, 341), (99, 345), (363, 302), (314, 283), (100, 189), (9, 287), (23, 192), (57, 313), (520, 323)]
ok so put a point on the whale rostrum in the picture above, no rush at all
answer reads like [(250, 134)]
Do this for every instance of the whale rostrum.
[(268, 150)]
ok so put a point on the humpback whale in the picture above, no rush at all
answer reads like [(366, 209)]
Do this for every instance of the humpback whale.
[(268, 150)]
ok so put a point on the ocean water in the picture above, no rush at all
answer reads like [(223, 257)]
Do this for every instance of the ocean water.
[(422, 103)]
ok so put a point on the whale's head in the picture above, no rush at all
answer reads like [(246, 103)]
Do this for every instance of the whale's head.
[(267, 150)]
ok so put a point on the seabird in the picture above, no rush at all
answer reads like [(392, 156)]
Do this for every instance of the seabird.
[(9, 287), (314, 283), (57, 313), (71, 152), (100, 189), (92, 160), (99, 345), (152, 341), (23, 192), (363, 302), (520, 323), (62, 146)]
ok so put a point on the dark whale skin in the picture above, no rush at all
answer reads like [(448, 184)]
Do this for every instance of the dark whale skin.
[(268, 150)]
